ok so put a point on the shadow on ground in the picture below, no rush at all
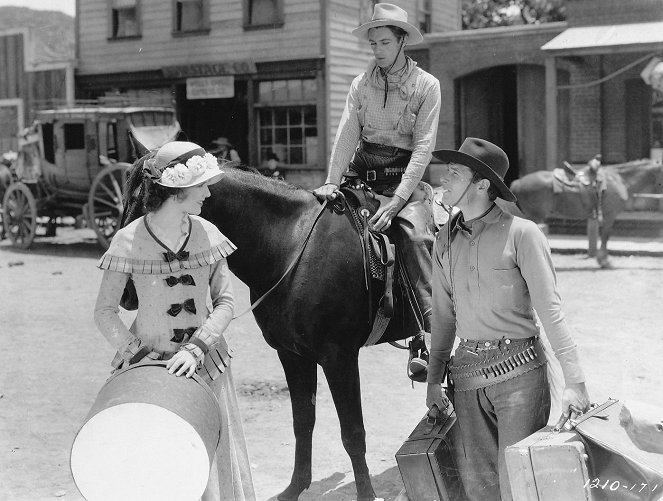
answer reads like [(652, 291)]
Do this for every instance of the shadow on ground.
[(339, 487), (67, 243)]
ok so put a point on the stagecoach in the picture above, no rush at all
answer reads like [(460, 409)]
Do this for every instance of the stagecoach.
[(73, 162)]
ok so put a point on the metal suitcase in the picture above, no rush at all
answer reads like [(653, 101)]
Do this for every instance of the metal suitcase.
[(428, 460), (548, 466), (595, 461)]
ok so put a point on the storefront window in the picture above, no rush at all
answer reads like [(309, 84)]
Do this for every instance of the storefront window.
[(190, 16), (124, 19), (287, 122)]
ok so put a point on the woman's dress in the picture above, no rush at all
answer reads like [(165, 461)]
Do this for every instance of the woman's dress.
[(183, 296)]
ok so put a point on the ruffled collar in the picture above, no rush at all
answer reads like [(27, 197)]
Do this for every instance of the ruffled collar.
[(396, 80), (134, 250)]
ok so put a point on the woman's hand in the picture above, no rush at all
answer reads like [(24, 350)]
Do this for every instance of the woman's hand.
[(327, 191), (382, 219), (182, 362)]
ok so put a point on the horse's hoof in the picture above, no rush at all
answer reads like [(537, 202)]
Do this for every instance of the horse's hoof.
[(291, 493)]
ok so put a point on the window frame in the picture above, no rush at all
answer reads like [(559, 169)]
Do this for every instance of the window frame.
[(425, 14), (139, 23), (203, 30), (279, 23), (288, 104)]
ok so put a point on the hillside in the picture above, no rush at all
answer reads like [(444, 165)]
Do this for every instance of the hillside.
[(52, 31)]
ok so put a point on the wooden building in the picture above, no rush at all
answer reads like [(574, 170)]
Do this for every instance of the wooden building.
[(558, 91), (270, 75), (27, 81)]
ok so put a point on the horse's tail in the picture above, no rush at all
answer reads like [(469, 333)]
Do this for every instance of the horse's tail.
[(134, 191)]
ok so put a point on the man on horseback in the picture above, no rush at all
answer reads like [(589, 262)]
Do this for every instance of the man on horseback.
[(491, 272), (386, 136)]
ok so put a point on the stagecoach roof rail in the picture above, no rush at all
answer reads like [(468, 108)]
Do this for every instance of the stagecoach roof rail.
[(114, 102)]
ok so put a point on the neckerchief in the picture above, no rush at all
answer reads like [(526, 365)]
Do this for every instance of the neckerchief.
[(396, 80)]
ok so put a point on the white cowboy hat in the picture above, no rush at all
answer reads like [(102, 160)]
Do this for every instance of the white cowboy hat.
[(180, 164), (387, 14)]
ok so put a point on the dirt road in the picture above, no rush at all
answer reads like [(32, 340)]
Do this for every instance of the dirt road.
[(54, 362)]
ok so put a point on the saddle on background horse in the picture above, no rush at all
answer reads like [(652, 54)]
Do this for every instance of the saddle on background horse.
[(587, 183), (382, 261)]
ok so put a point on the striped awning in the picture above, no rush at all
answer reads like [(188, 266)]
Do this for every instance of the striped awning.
[(611, 39)]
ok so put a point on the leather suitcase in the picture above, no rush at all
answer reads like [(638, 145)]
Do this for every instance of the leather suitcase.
[(428, 460), (596, 461)]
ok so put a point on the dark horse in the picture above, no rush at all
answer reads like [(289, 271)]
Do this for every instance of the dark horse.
[(538, 201), (318, 313)]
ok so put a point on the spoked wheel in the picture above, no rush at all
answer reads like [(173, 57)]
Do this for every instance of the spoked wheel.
[(19, 215), (104, 207)]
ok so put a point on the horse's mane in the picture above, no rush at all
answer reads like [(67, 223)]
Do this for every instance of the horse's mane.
[(251, 176)]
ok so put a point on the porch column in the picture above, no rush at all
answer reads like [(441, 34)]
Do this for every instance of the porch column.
[(551, 113)]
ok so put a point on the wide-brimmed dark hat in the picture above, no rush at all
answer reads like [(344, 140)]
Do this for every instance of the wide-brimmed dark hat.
[(483, 157), (387, 14)]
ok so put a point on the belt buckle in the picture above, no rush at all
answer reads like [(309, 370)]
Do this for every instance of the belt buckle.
[(371, 175)]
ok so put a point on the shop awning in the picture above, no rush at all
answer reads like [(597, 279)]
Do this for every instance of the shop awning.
[(612, 39)]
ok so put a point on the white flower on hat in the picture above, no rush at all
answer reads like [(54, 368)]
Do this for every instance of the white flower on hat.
[(196, 165), (177, 175)]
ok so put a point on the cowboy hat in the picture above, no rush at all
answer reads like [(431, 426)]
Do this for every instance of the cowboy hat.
[(180, 164), (484, 158), (221, 141), (387, 14)]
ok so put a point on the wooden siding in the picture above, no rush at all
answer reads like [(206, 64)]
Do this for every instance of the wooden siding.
[(226, 41)]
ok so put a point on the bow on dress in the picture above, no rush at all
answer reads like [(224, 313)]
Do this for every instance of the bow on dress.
[(184, 280), (179, 334), (171, 256), (188, 305)]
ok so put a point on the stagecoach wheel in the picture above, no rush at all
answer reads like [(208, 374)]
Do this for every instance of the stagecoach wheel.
[(104, 205), (19, 215)]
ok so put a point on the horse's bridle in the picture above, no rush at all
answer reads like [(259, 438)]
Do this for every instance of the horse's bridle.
[(292, 264)]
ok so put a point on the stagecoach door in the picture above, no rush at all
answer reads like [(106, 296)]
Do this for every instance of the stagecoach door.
[(76, 150)]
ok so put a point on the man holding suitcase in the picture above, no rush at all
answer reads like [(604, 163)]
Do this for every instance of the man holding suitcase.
[(491, 271)]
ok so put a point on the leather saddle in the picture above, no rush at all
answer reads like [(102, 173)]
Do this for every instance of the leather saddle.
[(589, 175), (379, 253)]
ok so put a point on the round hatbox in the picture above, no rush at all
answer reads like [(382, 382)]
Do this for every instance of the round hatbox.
[(148, 435)]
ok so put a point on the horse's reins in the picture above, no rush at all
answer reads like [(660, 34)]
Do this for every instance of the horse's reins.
[(292, 264)]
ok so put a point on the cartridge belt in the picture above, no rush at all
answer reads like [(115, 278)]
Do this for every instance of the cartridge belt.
[(511, 360)]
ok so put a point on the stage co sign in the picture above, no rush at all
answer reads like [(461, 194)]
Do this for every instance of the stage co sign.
[(210, 87)]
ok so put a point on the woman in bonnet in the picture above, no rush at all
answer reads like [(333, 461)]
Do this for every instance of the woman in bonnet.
[(177, 262), (386, 135)]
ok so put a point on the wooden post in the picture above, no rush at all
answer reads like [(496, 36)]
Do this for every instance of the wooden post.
[(551, 113), (592, 236)]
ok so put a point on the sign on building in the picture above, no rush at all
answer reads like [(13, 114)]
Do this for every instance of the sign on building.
[(210, 87)]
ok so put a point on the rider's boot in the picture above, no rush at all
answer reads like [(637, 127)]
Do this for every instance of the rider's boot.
[(414, 237)]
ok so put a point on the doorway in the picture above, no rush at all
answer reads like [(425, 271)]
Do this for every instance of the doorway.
[(506, 106), (203, 120)]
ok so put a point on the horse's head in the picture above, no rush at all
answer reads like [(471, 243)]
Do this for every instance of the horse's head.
[(641, 176)]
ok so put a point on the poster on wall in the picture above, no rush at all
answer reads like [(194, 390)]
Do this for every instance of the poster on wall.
[(210, 87)]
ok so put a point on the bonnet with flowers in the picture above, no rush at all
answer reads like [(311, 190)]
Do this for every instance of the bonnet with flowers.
[(181, 164)]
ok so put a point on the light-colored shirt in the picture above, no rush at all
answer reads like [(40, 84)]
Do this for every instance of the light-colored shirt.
[(488, 285), (409, 121)]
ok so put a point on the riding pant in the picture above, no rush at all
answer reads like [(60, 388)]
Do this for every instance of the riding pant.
[(381, 167)]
